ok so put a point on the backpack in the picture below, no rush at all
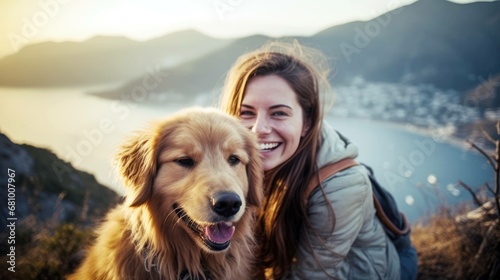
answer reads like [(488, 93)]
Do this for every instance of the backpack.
[(394, 222)]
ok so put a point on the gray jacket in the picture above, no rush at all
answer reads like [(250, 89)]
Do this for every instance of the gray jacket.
[(358, 248)]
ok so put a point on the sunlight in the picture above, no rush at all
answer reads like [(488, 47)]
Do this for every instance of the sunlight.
[(432, 179), (453, 190), (409, 200)]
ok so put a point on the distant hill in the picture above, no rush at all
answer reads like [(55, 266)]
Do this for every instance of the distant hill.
[(430, 42), (440, 43), (197, 76), (101, 59), (49, 189)]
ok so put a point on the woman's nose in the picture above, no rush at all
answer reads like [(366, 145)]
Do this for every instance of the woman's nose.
[(261, 126)]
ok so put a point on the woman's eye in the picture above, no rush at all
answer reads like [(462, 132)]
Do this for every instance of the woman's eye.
[(233, 160), (246, 113), (185, 161), (279, 114)]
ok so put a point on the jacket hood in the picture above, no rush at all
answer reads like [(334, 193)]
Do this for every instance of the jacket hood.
[(334, 146)]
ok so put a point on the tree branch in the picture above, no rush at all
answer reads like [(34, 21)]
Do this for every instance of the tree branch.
[(497, 173), (488, 158), (478, 202), (489, 188), (487, 135)]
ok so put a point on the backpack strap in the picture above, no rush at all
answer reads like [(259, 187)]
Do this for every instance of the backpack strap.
[(327, 171), (387, 222), (331, 169)]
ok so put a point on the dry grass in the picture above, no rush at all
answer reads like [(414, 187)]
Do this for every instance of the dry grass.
[(452, 249), (458, 244)]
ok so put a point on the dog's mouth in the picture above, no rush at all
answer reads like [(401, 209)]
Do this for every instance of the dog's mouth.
[(216, 236)]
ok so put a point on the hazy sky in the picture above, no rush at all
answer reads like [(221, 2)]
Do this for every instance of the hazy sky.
[(28, 21)]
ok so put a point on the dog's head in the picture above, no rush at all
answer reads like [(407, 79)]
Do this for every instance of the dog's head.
[(199, 167)]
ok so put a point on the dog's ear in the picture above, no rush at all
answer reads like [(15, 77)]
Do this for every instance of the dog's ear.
[(255, 171), (136, 161)]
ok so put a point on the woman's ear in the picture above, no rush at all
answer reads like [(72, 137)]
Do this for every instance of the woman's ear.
[(136, 160)]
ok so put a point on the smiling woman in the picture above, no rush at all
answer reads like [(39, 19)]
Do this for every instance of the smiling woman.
[(333, 233)]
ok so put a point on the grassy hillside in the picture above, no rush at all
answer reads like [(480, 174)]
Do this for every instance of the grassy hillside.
[(457, 243), (56, 206), (451, 246)]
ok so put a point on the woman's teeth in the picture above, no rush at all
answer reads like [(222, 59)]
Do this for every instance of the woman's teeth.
[(268, 146)]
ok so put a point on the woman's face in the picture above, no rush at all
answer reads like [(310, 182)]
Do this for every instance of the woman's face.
[(271, 110)]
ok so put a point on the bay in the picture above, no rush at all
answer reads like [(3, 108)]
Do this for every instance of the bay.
[(421, 171)]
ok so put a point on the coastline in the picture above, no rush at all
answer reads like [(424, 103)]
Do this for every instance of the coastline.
[(439, 135)]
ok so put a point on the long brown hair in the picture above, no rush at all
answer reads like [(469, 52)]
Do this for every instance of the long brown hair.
[(284, 212)]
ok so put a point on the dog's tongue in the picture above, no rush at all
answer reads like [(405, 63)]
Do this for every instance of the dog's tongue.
[(220, 232)]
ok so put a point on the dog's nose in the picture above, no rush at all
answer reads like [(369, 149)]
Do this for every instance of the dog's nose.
[(226, 204)]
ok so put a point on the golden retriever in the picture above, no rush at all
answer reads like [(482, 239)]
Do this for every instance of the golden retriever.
[(193, 185)]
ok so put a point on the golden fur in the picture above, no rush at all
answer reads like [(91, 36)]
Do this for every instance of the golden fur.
[(182, 162)]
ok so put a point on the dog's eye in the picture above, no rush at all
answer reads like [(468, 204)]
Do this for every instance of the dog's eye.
[(185, 161), (233, 160)]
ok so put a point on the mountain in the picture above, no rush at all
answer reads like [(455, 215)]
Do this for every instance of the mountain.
[(196, 76), (428, 42), (101, 59), (438, 43), (48, 189)]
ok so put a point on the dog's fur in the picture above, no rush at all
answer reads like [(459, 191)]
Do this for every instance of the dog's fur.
[(182, 162)]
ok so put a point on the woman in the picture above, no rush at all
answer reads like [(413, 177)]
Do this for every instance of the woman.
[(334, 234)]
